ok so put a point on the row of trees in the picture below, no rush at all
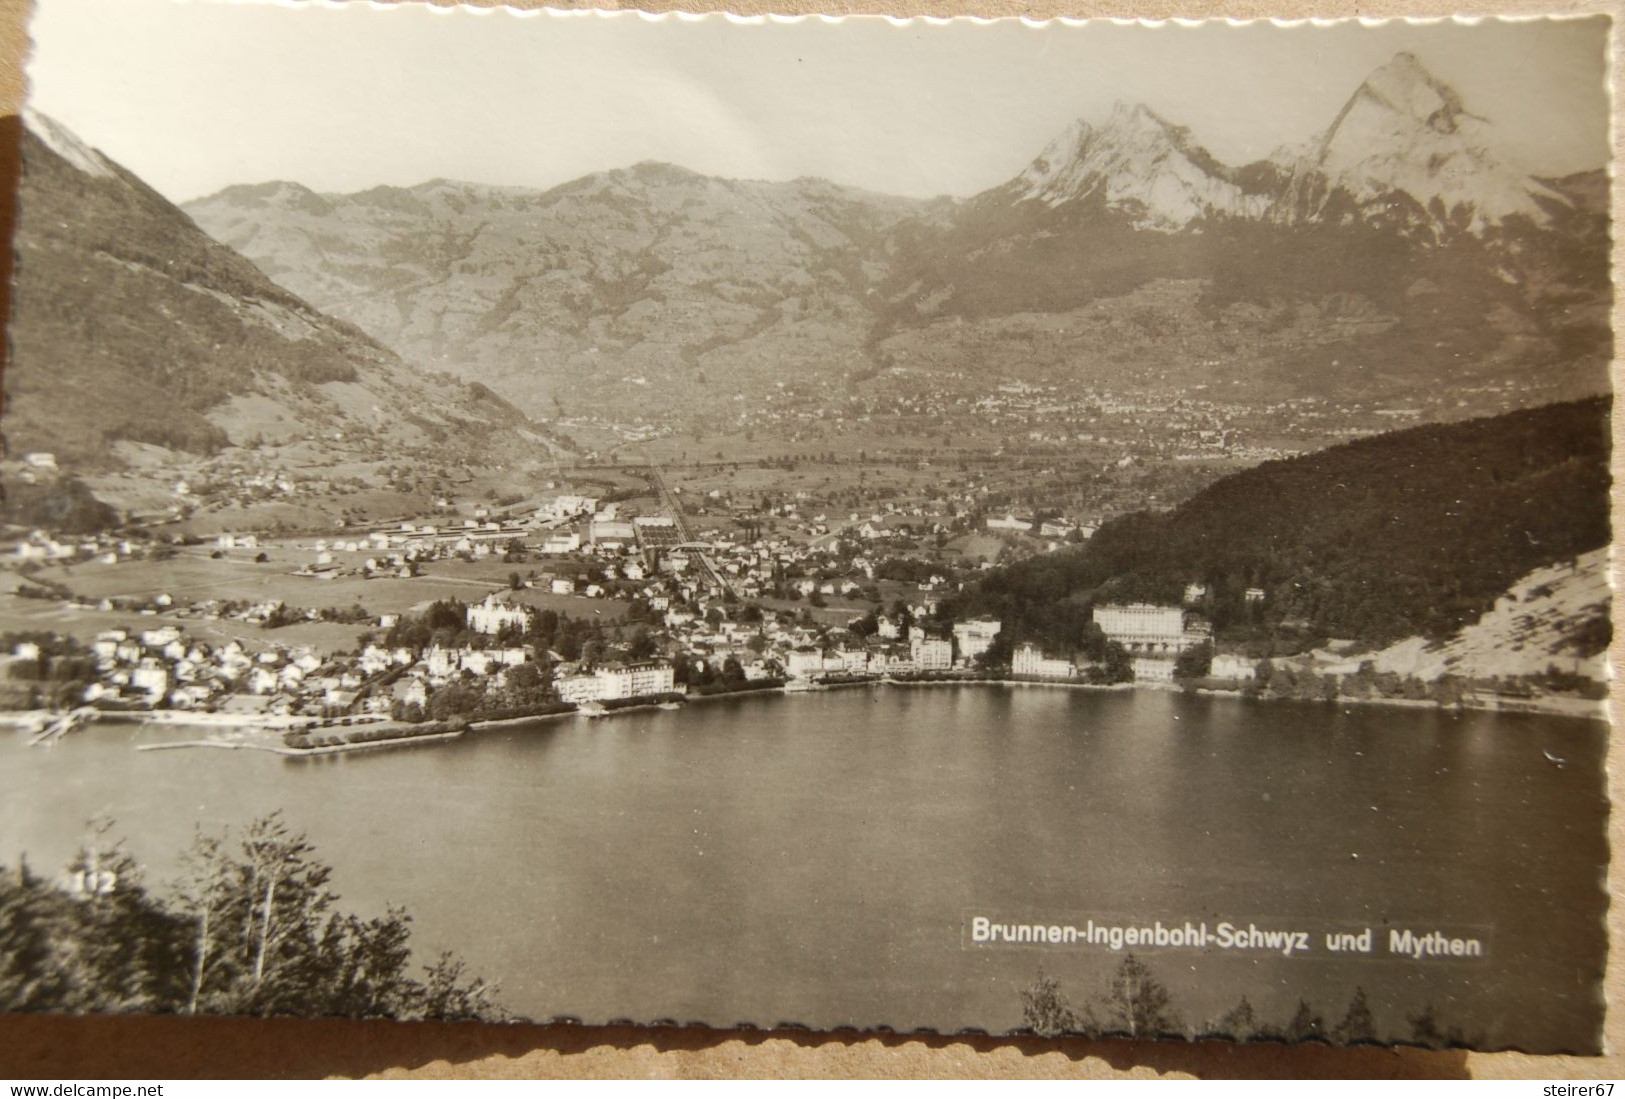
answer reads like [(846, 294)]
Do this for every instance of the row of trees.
[(284, 615), (251, 926), (1135, 1004), (445, 622)]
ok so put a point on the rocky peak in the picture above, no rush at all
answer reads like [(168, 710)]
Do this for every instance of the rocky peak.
[(1138, 163), (1405, 141), (1404, 150), (277, 194), (66, 144), (1404, 86)]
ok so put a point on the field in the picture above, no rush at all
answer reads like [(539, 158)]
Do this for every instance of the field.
[(194, 576), (83, 623)]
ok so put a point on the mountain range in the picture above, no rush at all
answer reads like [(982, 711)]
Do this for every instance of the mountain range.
[(1403, 254), (651, 273), (132, 327)]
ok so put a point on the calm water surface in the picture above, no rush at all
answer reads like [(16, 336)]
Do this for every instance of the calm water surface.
[(817, 859)]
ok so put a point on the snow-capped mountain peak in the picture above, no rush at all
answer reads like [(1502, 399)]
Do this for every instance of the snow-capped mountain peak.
[(1405, 87), (1139, 163), (1405, 141), (1404, 151)]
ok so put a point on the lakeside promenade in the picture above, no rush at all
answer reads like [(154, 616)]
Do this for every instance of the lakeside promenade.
[(278, 733)]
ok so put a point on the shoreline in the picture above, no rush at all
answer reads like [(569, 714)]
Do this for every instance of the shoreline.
[(1569, 708), (284, 750), (482, 725), (1579, 709), (1047, 684), (729, 696), (393, 742)]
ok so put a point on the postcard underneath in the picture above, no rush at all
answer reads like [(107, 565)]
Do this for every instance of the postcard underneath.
[(1067, 528)]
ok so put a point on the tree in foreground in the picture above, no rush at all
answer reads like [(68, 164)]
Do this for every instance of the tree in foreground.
[(1044, 1008), (1137, 1004), (1239, 1023), (250, 927), (1358, 1025), (1306, 1024)]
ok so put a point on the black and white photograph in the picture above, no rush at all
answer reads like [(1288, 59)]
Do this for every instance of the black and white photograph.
[(1079, 527)]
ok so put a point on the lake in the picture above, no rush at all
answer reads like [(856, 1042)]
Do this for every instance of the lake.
[(819, 859)]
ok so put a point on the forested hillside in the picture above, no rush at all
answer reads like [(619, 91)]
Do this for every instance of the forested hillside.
[(1416, 532)]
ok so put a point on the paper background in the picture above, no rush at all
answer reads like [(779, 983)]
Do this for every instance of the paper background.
[(134, 1048)]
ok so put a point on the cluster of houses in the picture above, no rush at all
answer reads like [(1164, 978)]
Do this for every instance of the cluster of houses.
[(573, 682), (38, 546), (400, 550), (920, 653), (889, 652), (160, 667)]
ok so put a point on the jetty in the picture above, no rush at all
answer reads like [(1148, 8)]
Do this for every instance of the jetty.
[(60, 726)]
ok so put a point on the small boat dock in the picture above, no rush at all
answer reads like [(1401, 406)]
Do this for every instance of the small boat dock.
[(61, 725)]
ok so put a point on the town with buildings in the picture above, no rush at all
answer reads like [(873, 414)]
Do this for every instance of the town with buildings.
[(610, 585), (570, 603)]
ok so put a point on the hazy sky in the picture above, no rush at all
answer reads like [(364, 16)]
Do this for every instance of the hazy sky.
[(193, 95)]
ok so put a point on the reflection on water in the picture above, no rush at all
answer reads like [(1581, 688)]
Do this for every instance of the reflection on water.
[(817, 859)]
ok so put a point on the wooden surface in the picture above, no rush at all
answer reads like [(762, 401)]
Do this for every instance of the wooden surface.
[(64, 1048)]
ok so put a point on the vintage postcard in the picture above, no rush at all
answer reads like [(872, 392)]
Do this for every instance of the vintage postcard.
[(1074, 527)]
